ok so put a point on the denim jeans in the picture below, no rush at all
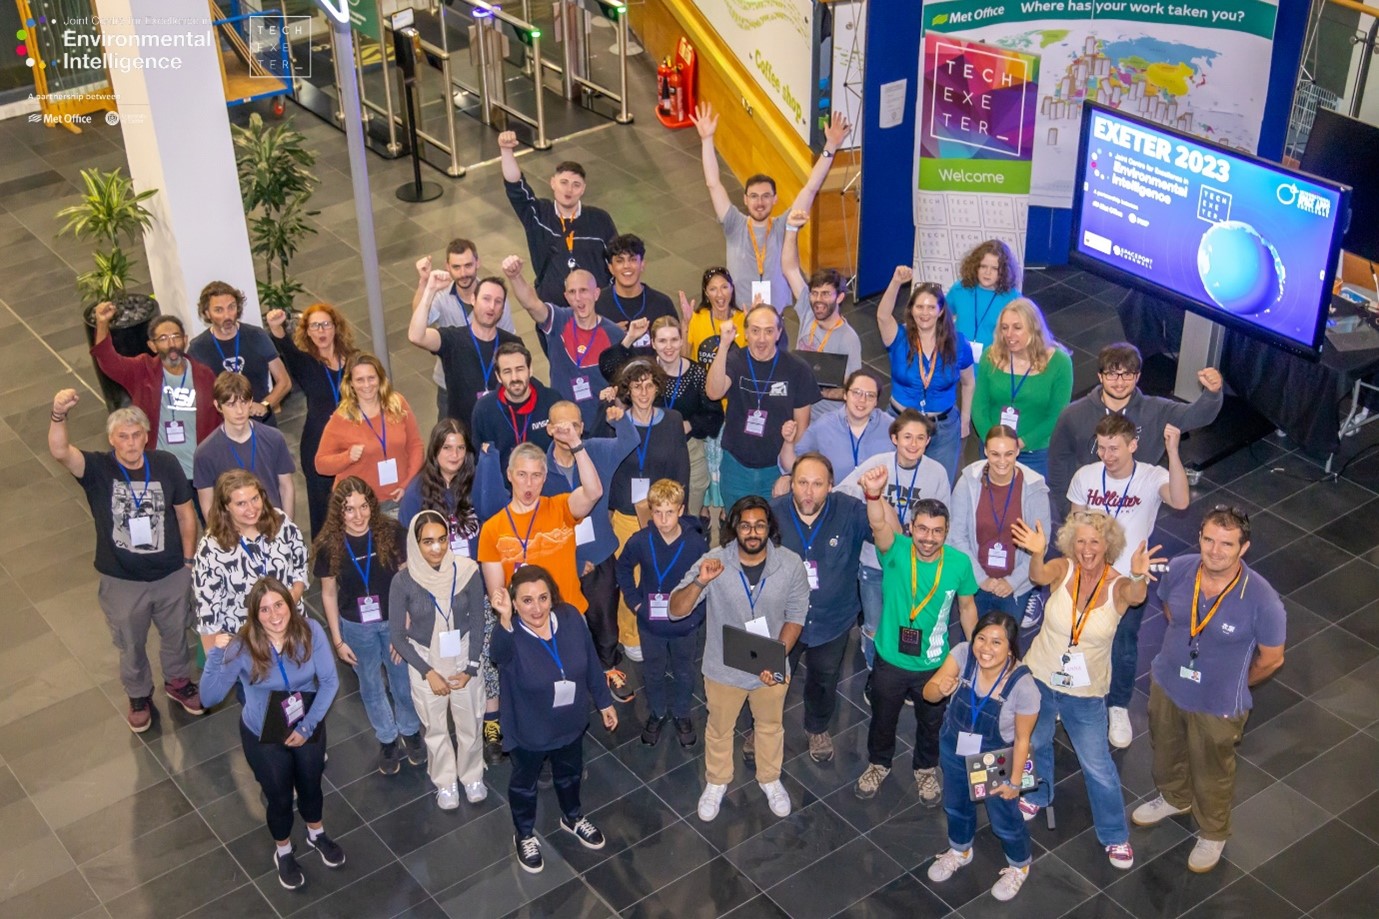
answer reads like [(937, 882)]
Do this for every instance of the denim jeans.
[(676, 655), (1006, 821), (945, 447), (736, 481), (1038, 460), (373, 648), (1085, 721), (1013, 605), (869, 582), (1125, 656)]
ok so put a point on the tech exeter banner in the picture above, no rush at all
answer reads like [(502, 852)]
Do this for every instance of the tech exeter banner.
[(1201, 67), (975, 135)]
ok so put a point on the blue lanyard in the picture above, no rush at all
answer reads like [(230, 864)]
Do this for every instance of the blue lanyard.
[(253, 448), (261, 566), (485, 369), (287, 684), (813, 530), (991, 499), (978, 320), (644, 442), (383, 421), (857, 441), (640, 310), (335, 379), (751, 368), (551, 647), (975, 705), (581, 353), (138, 499), (530, 524), (679, 385), (182, 383), (761, 587), (656, 566), (909, 493), (367, 569), (216, 341), (454, 579), (1124, 496), (1014, 389)]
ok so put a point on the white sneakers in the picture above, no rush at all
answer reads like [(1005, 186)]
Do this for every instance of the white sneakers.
[(1205, 855), (1119, 733), (947, 864), (448, 797), (1010, 882), (1151, 812), (475, 792), (710, 801), (777, 797)]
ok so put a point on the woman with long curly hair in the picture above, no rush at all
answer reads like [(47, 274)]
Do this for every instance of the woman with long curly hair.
[(357, 440), (988, 280), (315, 354), (280, 662), (356, 555)]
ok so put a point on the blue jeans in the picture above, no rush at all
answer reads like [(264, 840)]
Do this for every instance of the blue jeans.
[(1085, 721), (945, 447), (1125, 655), (1006, 821), (677, 654), (1014, 604), (869, 584), (373, 649), (1038, 460), (737, 481)]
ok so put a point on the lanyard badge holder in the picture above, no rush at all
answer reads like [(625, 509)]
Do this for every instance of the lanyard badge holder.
[(1074, 674), (658, 602), (387, 468), (911, 641), (370, 605), (1197, 626), (1010, 415), (756, 418), (450, 642), (140, 524), (970, 741), (811, 567), (563, 690)]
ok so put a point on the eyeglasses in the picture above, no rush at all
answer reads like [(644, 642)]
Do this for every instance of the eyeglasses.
[(168, 339), (761, 526), (864, 395), (1120, 374), (320, 326)]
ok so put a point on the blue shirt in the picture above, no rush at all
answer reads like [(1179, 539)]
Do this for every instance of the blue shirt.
[(315, 674), (831, 436), (907, 382), (976, 311), (674, 560), (835, 545)]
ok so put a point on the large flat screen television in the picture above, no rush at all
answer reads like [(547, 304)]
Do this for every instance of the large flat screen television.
[(1346, 150), (1242, 241)]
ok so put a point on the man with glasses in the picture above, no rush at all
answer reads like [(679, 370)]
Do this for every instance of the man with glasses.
[(1226, 630), (174, 392), (752, 583), (848, 438), (230, 345), (754, 239), (819, 306), (1074, 442)]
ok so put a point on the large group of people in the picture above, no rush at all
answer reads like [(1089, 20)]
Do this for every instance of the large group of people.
[(683, 478)]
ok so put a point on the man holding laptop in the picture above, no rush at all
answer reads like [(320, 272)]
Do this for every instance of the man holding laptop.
[(758, 597), (827, 342)]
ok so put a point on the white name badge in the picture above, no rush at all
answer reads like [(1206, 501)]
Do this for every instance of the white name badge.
[(460, 546), (174, 432), (643, 342), (564, 694), (583, 391), (141, 532), (762, 289), (1074, 672), (639, 489), (659, 605), (370, 610), (758, 626), (451, 643), (996, 557), (387, 472), (1188, 673), (1010, 417), (811, 570), (584, 531), (294, 708), (976, 351), (756, 422), (969, 743)]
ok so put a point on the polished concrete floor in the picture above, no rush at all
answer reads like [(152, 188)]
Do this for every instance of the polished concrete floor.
[(97, 822)]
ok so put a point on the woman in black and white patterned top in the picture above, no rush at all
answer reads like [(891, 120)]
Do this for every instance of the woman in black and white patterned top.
[(247, 538)]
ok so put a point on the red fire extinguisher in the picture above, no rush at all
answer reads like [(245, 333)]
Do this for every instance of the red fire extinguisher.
[(663, 87), (677, 95)]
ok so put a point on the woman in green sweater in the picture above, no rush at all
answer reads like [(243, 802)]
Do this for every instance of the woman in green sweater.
[(1024, 381)]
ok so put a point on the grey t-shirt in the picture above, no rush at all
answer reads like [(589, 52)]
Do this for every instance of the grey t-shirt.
[(265, 454), (742, 260), (1020, 699), (903, 488), (179, 407), (836, 339)]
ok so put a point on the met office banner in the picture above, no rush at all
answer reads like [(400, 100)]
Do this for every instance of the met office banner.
[(1201, 67), (975, 135), (773, 40)]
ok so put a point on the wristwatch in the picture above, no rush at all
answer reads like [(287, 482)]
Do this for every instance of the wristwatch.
[(267, 406)]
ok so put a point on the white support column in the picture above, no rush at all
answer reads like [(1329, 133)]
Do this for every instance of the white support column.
[(165, 70)]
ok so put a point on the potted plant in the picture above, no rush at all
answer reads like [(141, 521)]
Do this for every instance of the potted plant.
[(275, 183), (110, 213)]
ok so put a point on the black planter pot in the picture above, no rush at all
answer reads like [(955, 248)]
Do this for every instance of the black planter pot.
[(129, 335)]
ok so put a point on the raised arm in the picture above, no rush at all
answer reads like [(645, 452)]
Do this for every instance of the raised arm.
[(1175, 493), (885, 310), (583, 498), (716, 383), (507, 155), (834, 135), (61, 449), (684, 599), (706, 122), (526, 294), (873, 483), (1035, 542), (419, 332), (790, 254)]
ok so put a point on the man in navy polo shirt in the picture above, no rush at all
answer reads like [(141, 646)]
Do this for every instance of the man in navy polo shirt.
[(827, 530)]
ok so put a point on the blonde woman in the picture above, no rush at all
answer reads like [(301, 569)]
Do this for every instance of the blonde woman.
[(1024, 380)]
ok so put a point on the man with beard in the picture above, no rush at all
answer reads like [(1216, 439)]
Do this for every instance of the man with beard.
[(174, 392), (517, 412), (819, 306), (753, 584), (229, 345)]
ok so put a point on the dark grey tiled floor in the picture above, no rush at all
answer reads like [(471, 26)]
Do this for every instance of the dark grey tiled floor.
[(97, 822)]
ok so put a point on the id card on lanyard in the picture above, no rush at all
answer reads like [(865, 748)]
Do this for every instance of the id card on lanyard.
[(756, 420), (370, 605), (658, 601), (449, 641), (294, 708), (140, 524), (1010, 415), (970, 741), (387, 468), (911, 637), (757, 625), (811, 567)]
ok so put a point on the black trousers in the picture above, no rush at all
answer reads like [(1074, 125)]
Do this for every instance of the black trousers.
[(890, 686), (600, 588), (280, 769), (822, 664), (318, 489), (567, 766)]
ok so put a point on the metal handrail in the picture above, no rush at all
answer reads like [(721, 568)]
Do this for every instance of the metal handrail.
[(486, 14), (618, 9)]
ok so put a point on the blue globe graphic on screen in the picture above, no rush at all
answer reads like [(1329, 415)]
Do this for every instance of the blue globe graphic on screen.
[(1240, 269)]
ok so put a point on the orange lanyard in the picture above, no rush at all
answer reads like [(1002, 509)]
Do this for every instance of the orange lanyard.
[(1195, 628), (926, 373), (827, 334), (760, 251), (914, 581), (1080, 622)]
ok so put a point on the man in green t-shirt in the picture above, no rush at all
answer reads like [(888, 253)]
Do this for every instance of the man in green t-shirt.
[(920, 580)]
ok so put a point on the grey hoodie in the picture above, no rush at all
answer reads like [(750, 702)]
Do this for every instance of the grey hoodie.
[(962, 528)]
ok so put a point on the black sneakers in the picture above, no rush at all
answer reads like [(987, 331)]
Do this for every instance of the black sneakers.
[(289, 872), (416, 749), (529, 854), (585, 831), (390, 756), (684, 729), (332, 856), (617, 685), (493, 742), (651, 734)]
